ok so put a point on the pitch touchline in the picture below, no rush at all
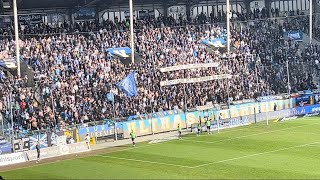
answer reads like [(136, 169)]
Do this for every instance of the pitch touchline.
[(257, 154), (151, 162), (230, 139)]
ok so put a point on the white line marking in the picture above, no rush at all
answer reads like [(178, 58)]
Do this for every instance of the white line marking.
[(143, 161), (240, 137), (257, 154), (314, 145)]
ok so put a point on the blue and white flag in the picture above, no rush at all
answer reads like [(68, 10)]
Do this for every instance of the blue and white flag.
[(128, 85), (8, 63), (121, 52), (294, 35), (42, 138), (217, 42)]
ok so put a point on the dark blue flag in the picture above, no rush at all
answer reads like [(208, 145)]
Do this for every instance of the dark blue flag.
[(128, 85)]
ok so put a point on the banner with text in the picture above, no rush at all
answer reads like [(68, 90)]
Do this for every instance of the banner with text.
[(189, 66), (195, 80), (13, 158), (31, 19), (97, 131), (58, 151)]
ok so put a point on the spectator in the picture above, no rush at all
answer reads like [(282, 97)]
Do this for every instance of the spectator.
[(73, 74)]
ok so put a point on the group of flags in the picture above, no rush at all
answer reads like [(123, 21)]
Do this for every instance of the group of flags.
[(128, 85)]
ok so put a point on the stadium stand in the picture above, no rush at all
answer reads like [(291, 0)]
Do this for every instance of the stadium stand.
[(74, 73)]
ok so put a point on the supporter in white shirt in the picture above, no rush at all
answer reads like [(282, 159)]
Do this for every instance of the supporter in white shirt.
[(87, 139)]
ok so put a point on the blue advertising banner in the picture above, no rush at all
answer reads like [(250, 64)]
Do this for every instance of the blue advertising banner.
[(97, 131), (305, 110)]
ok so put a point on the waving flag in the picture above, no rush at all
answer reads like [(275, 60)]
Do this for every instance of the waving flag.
[(128, 85), (42, 138), (123, 54), (8, 63), (218, 42), (294, 35)]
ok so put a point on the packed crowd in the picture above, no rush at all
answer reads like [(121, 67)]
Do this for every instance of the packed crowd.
[(74, 76)]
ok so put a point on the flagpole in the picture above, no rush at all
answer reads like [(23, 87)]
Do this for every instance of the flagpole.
[(131, 31), (228, 26), (114, 115), (53, 111), (310, 23), (11, 116), (16, 32)]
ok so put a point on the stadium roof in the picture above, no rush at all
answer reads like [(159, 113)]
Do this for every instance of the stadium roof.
[(45, 4)]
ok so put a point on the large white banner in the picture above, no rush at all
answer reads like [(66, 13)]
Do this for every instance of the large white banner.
[(194, 80), (189, 66), (8, 159), (58, 151)]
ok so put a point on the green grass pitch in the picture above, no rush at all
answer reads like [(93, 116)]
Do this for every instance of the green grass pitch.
[(283, 150)]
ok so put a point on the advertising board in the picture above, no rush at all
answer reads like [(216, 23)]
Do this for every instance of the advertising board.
[(13, 158), (55, 151)]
